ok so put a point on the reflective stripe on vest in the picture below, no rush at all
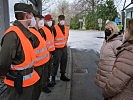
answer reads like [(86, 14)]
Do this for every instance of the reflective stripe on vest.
[(42, 54), (43, 57), (57, 39), (49, 42), (24, 67), (60, 43), (60, 39), (40, 51), (29, 55), (49, 39), (28, 80), (50, 47)]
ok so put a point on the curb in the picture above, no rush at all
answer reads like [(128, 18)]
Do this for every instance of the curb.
[(69, 74)]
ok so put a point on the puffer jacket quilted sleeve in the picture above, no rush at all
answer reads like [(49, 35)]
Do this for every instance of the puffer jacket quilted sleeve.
[(119, 85), (107, 58)]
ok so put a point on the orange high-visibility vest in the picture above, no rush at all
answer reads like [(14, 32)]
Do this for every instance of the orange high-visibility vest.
[(61, 39), (49, 39), (33, 77), (41, 52)]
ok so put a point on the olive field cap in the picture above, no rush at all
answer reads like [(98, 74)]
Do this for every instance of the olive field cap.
[(37, 14), (22, 7), (61, 17)]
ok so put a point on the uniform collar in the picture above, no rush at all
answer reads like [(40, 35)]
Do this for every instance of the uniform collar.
[(23, 29)]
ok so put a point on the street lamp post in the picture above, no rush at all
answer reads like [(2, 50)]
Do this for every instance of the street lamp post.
[(100, 21), (80, 21)]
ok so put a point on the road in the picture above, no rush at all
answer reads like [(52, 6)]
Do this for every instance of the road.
[(85, 40), (85, 48)]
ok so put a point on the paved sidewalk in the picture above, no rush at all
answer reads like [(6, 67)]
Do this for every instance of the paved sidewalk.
[(62, 90)]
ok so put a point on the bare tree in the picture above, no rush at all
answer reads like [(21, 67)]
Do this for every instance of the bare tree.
[(47, 5), (81, 7), (62, 8)]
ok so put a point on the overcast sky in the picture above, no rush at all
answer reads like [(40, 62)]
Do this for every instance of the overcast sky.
[(118, 3)]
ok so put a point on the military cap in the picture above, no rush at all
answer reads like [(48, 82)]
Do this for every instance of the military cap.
[(48, 17), (61, 17), (22, 7), (37, 14)]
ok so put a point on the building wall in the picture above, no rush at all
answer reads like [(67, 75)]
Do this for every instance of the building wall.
[(129, 13), (4, 16)]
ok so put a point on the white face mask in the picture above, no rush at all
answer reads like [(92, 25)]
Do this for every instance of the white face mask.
[(49, 23), (33, 22), (62, 22), (41, 23)]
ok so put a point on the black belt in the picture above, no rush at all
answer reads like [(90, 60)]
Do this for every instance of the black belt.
[(21, 72)]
